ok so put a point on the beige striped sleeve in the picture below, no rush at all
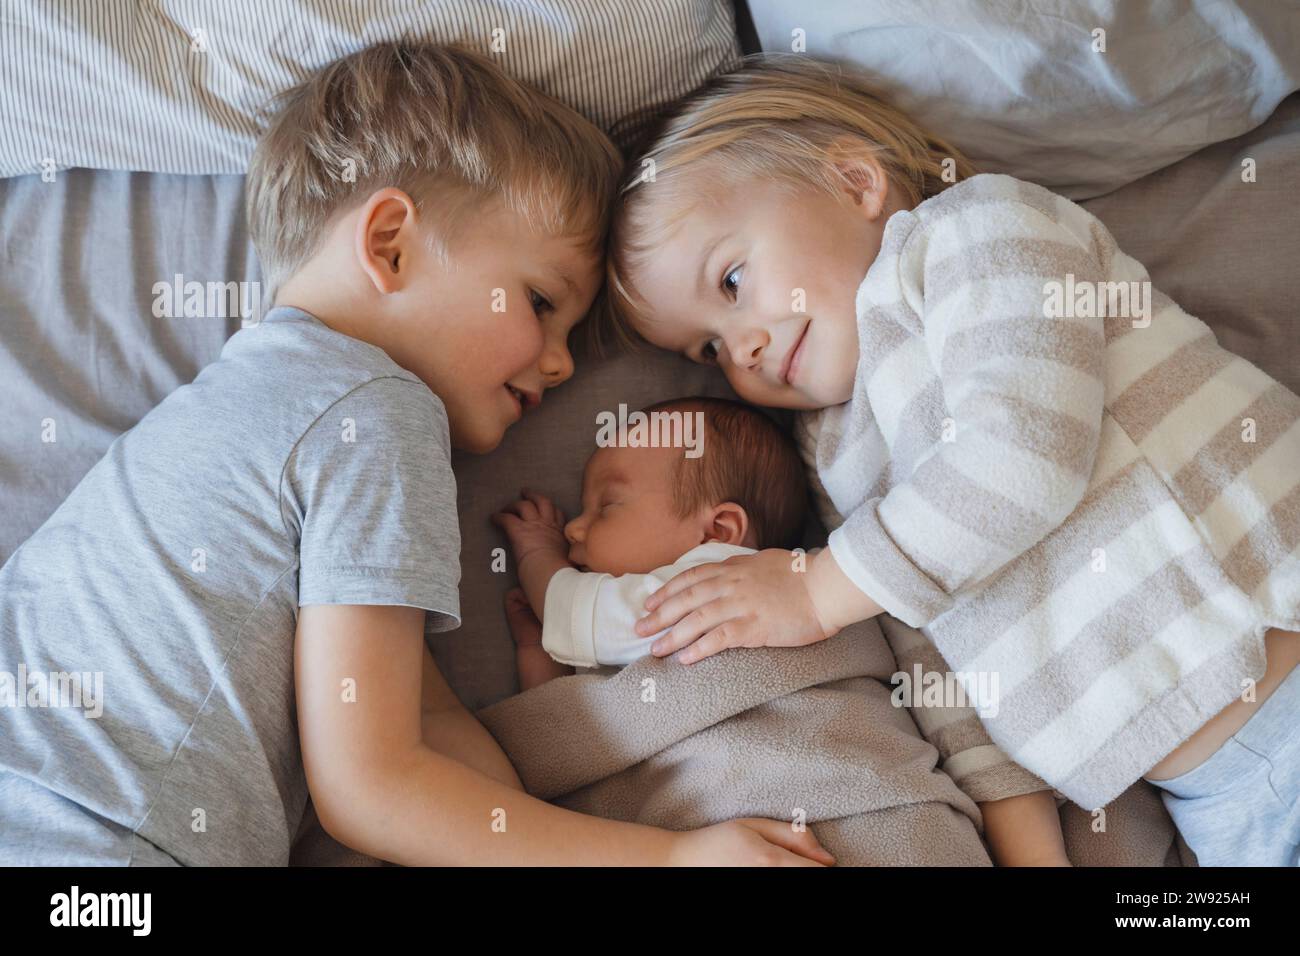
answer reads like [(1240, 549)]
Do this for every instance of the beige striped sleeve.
[(966, 753), (1024, 392)]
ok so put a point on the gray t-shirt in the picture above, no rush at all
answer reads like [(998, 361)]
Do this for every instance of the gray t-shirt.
[(302, 467)]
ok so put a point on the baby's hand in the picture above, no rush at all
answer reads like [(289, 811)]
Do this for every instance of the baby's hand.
[(524, 626), (533, 524), (752, 600)]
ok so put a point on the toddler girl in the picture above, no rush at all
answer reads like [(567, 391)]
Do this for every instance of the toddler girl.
[(1027, 454)]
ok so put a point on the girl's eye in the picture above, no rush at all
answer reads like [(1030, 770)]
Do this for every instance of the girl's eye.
[(539, 302), (710, 351), (731, 281)]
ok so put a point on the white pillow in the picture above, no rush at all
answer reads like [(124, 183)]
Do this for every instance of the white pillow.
[(180, 86), (1019, 87)]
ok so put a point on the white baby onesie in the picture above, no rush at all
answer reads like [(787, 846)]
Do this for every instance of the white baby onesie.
[(590, 617)]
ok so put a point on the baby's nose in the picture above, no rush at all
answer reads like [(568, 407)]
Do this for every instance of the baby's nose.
[(573, 531)]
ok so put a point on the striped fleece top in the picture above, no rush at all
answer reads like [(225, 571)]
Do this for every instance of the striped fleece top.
[(1057, 479)]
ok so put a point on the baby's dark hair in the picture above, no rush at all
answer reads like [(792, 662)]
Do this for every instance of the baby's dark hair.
[(747, 459)]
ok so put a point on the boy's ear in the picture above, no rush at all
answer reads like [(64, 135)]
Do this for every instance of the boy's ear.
[(862, 176), (728, 524), (385, 229)]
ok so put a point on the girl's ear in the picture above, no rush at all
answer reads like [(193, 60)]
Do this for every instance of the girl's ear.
[(862, 176), (728, 524)]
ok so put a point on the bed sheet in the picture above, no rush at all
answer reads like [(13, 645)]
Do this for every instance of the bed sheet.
[(88, 345)]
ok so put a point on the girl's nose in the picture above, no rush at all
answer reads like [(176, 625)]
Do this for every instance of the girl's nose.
[(748, 347)]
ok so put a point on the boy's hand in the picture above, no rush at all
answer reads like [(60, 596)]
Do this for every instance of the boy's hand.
[(749, 842), (533, 523), (752, 600)]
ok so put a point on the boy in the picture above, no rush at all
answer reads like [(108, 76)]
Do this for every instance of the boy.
[(250, 567)]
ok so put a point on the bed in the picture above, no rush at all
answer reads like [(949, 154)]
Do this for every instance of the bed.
[(87, 253)]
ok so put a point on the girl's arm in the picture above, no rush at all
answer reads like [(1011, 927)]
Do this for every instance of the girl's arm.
[(1024, 386), (1025, 830), (1013, 827)]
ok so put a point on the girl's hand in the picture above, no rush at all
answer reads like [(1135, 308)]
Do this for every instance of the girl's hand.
[(533, 523), (749, 842), (753, 600)]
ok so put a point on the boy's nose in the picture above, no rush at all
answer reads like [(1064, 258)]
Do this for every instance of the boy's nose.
[(556, 365), (574, 531)]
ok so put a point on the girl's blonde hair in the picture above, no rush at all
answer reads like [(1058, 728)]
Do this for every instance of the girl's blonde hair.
[(442, 123), (780, 117)]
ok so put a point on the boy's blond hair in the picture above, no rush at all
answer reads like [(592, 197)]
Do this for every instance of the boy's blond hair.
[(443, 124), (781, 117)]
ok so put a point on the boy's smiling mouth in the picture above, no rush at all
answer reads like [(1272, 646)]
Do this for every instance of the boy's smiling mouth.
[(523, 398)]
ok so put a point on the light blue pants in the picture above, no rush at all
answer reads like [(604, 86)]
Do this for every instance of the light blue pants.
[(1241, 807)]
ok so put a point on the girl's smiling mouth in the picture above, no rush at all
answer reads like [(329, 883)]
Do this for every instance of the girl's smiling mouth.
[(790, 367)]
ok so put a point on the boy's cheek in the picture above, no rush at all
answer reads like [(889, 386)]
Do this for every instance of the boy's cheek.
[(474, 427), (505, 341)]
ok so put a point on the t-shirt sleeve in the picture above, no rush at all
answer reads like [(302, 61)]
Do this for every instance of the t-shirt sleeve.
[(371, 489), (1025, 391)]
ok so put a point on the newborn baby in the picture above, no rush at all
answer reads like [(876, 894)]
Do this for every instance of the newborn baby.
[(648, 513)]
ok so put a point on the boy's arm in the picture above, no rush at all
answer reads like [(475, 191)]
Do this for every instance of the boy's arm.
[(378, 788), (450, 729)]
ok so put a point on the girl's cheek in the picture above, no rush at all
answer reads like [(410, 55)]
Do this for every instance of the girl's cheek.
[(742, 383)]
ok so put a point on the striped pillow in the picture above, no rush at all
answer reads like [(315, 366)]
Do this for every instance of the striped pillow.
[(181, 86)]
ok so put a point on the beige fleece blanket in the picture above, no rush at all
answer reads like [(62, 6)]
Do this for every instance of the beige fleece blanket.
[(807, 733)]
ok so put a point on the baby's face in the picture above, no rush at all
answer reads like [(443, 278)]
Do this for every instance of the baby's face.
[(628, 523), (761, 281)]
